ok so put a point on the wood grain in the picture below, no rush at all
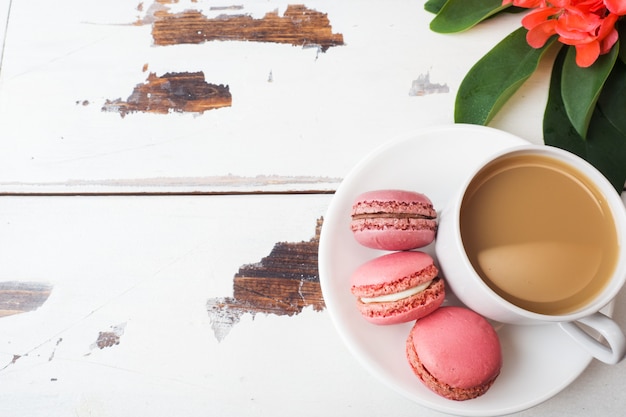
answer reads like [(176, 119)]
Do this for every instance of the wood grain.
[(21, 297), (282, 283), (173, 92), (298, 26)]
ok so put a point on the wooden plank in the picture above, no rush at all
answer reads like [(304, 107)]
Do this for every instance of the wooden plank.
[(297, 112), (126, 329), (89, 251)]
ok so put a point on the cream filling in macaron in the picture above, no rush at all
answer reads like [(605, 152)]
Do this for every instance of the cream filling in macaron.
[(396, 295)]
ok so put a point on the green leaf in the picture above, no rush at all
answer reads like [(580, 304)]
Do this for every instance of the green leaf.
[(495, 77), (434, 6), (606, 150), (581, 87), (605, 147), (459, 15), (612, 101)]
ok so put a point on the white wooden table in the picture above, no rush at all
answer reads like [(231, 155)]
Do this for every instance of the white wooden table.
[(133, 229)]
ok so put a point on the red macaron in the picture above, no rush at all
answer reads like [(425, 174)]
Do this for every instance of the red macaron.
[(393, 220), (455, 352), (397, 287)]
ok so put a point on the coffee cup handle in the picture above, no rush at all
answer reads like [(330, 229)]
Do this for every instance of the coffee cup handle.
[(610, 352)]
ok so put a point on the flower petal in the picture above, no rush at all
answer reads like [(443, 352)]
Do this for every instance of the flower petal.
[(538, 16), (529, 4), (616, 6), (539, 35), (607, 43), (586, 54), (579, 21), (608, 25)]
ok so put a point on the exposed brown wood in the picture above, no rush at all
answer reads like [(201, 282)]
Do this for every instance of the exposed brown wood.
[(282, 283), (21, 297), (173, 92), (110, 337), (298, 26), (107, 339)]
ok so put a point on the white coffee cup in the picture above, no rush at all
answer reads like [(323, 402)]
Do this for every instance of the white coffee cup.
[(485, 294)]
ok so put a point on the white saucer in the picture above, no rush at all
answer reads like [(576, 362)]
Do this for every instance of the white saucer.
[(538, 361)]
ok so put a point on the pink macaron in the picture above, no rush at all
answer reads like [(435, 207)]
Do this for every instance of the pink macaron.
[(455, 352), (397, 287), (393, 220)]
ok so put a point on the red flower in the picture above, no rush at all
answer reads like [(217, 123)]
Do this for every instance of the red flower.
[(528, 4), (588, 25), (616, 6)]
